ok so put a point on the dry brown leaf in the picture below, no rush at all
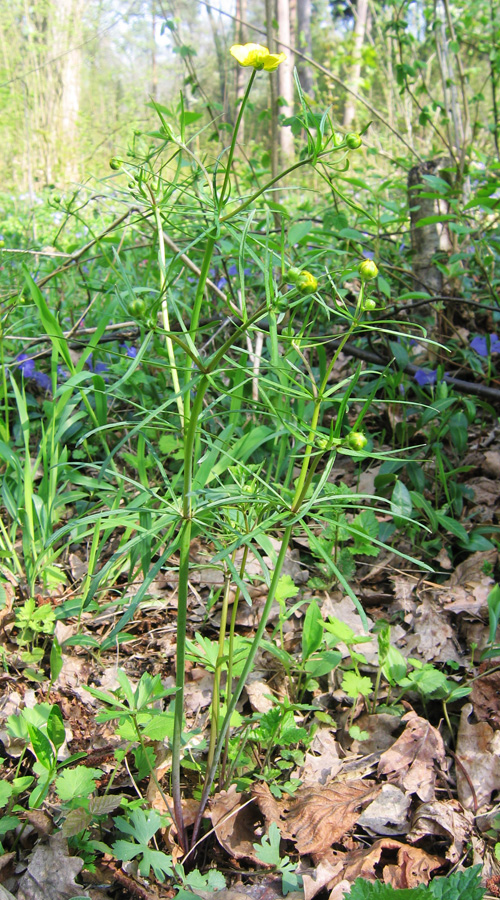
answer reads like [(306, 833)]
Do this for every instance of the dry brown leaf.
[(235, 823), (434, 639), (414, 867), (271, 808), (380, 728), (401, 864), (446, 819), (51, 873), (259, 694), (410, 762), (314, 880), (41, 822), (321, 816), (478, 755), (322, 761), (388, 813), (485, 695)]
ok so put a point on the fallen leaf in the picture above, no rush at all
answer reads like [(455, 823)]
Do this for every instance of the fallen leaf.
[(478, 755), (485, 695), (401, 865), (410, 762), (434, 638), (322, 761), (51, 873), (388, 813), (235, 822), (444, 819), (314, 880), (321, 816), (380, 729)]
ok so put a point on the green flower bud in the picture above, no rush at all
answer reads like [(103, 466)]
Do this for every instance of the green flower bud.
[(292, 275), (306, 283), (115, 163), (281, 304), (353, 140), (369, 304), (368, 270), (357, 440), (137, 308), (323, 443)]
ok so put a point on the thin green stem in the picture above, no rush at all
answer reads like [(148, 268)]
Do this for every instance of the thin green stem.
[(164, 307), (234, 137), (215, 713), (243, 678)]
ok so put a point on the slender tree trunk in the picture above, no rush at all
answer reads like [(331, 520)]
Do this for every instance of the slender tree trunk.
[(240, 38), (355, 76), (304, 44), (273, 149), (154, 73), (285, 80)]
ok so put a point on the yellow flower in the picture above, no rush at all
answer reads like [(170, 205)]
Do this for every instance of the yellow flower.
[(257, 56)]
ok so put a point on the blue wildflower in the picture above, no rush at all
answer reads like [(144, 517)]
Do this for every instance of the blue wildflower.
[(368, 254), (425, 376), (480, 345), (97, 367), (26, 365), (130, 351), (43, 380), (221, 283), (233, 270)]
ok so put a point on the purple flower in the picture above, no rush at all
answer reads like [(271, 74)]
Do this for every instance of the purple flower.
[(247, 271), (221, 283), (233, 270), (62, 372), (129, 351), (26, 365), (85, 269), (43, 380), (425, 376), (98, 367), (480, 344), (368, 254)]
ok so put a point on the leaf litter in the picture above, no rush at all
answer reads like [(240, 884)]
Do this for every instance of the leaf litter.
[(394, 801)]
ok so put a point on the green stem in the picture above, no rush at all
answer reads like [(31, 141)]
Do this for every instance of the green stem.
[(243, 677), (234, 137), (215, 714), (164, 308), (185, 542)]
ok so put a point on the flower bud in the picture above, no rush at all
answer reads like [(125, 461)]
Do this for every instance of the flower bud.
[(353, 140), (369, 304), (357, 440), (281, 304), (137, 308), (292, 275), (323, 443), (306, 283), (115, 163), (368, 270)]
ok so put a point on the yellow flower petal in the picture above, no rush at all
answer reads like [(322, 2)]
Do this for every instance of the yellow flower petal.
[(257, 56), (274, 60)]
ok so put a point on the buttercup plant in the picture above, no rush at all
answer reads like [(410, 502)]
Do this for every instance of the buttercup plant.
[(209, 379)]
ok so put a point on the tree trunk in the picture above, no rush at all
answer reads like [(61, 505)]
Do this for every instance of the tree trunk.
[(273, 144), (285, 80), (240, 38), (304, 44), (355, 76), (429, 241)]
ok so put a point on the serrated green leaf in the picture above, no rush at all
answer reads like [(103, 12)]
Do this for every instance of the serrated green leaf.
[(77, 782)]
